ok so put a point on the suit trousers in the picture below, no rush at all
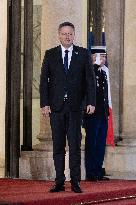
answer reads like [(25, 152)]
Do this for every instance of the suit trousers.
[(95, 143), (66, 123)]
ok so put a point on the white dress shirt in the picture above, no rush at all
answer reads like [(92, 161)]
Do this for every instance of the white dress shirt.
[(70, 49)]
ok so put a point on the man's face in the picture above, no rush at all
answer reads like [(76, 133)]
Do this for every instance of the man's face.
[(102, 59), (66, 36)]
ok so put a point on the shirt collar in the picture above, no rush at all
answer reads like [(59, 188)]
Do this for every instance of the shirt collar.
[(70, 49)]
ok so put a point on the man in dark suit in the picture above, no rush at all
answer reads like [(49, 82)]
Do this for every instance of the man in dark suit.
[(66, 77), (96, 125)]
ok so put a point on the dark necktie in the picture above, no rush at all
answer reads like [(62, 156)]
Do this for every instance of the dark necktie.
[(66, 61)]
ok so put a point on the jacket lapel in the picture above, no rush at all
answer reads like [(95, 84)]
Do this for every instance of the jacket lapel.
[(59, 58), (74, 57)]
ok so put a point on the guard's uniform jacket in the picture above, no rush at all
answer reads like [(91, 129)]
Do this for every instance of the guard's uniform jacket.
[(102, 106)]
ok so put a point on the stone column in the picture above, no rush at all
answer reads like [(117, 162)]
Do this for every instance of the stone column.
[(3, 42), (129, 87), (120, 161), (27, 75), (12, 135), (44, 135), (114, 26)]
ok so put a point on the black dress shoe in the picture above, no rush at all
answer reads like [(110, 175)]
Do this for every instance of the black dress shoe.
[(75, 187), (57, 188), (102, 178)]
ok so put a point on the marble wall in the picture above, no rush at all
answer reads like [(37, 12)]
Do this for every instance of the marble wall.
[(56, 12), (129, 89)]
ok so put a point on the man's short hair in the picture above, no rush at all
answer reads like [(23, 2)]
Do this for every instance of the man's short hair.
[(66, 24)]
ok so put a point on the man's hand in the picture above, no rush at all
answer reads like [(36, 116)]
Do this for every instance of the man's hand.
[(45, 110), (93, 58), (90, 109)]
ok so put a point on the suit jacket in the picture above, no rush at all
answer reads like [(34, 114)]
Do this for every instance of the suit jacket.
[(78, 82)]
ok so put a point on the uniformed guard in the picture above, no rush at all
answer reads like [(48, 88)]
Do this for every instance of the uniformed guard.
[(96, 125)]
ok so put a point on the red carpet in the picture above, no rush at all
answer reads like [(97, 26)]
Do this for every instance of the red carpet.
[(32, 192)]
